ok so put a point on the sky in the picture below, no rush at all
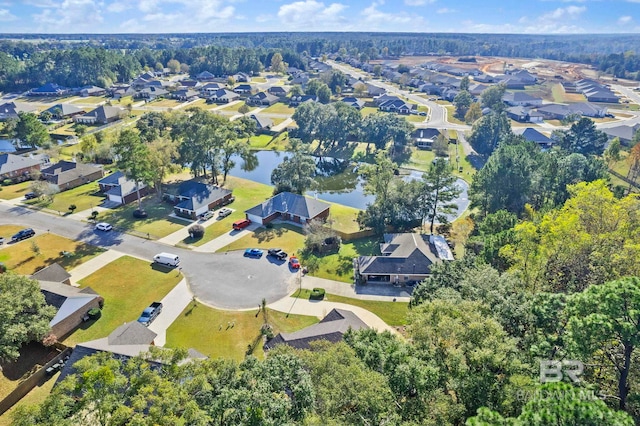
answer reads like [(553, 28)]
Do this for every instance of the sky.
[(186, 16)]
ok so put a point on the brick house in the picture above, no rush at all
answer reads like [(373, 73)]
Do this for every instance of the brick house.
[(288, 206), (67, 174)]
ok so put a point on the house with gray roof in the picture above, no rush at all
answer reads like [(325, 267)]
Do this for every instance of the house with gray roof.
[(263, 123), (353, 101), (223, 96), (185, 95), (68, 174), (18, 168), (262, 99), (60, 111), (521, 99), (102, 115), (524, 114), (406, 258), (288, 206), (49, 89), (533, 135), (119, 189), (53, 273), (91, 91), (624, 133), (72, 305), (331, 328), (205, 76), (194, 198), (151, 93), (10, 110)]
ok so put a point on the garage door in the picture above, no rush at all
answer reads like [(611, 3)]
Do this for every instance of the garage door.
[(254, 218)]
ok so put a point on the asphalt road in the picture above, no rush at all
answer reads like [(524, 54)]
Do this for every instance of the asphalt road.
[(227, 281)]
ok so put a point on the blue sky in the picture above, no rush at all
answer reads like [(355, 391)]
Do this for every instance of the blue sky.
[(172, 16)]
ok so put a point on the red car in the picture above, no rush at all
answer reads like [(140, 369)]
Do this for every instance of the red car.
[(294, 263), (240, 224)]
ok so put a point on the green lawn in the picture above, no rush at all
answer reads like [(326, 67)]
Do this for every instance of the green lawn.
[(421, 159), (167, 103), (207, 330), (158, 224), (67, 152), (90, 100), (339, 266), (22, 259), (258, 80), (36, 396), (289, 238), (451, 115), (235, 107), (84, 197), (393, 313), (412, 118), (344, 218), (17, 190), (368, 111), (128, 285), (279, 108), (248, 194), (559, 95)]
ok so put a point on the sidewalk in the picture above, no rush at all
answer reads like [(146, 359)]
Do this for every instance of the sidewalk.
[(321, 308), (93, 265), (172, 306), (380, 292), (282, 125), (181, 234), (226, 239), (86, 214)]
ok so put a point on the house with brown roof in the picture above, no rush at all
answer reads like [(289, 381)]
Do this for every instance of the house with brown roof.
[(67, 174), (331, 328), (406, 259)]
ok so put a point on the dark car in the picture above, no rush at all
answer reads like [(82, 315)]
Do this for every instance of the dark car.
[(30, 195), (23, 234), (277, 253)]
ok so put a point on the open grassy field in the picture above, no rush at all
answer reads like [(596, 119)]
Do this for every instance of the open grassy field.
[(559, 95), (90, 100), (263, 142), (278, 108), (393, 313), (158, 224), (17, 190), (84, 197), (208, 330), (339, 266), (21, 258), (289, 238), (128, 285)]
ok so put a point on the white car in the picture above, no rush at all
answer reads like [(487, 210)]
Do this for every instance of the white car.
[(224, 212), (104, 226)]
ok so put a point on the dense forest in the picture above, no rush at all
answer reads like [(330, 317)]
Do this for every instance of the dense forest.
[(104, 59)]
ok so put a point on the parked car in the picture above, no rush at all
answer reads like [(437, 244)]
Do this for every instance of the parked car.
[(104, 226), (422, 113), (253, 252), (241, 224), (277, 253), (206, 215), (224, 212), (30, 196), (23, 234), (294, 263), (167, 259), (229, 201), (150, 313)]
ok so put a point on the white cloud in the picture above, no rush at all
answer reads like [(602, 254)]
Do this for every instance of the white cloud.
[(311, 14), (80, 15), (443, 10), (569, 12), (624, 20), (417, 2), (376, 18), (118, 6), (264, 18), (6, 16)]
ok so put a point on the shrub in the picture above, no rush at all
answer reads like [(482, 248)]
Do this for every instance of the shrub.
[(94, 313), (140, 214), (3, 268), (7, 182), (317, 294), (72, 208), (196, 231)]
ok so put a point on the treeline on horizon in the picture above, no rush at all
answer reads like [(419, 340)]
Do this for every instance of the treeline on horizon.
[(76, 60)]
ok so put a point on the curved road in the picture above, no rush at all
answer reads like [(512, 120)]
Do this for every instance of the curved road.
[(227, 281)]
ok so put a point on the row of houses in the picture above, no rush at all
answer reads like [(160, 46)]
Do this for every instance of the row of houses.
[(532, 114), (592, 90)]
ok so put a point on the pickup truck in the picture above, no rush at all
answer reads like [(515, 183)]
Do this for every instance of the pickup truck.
[(277, 253), (150, 313)]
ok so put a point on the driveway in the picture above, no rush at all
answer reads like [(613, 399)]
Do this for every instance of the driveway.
[(225, 280)]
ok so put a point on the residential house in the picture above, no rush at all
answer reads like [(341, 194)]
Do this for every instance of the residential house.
[(525, 76), (524, 114), (62, 111), (450, 94), (279, 91), (151, 93), (53, 273), (288, 206), (379, 100), (188, 84), (511, 82), (92, 91), (121, 91), (194, 198), (624, 133), (533, 135), (119, 189), (186, 95), (242, 77), (477, 89), (374, 91), (7, 146), (205, 76), (595, 91), (262, 123), (301, 78), (406, 259), (72, 305), (330, 328), (300, 99), (49, 89), (209, 89), (485, 78), (397, 105), (424, 138), (262, 99), (18, 168), (431, 89), (223, 96), (560, 112), (104, 114), (10, 110), (521, 99), (68, 175), (243, 88), (354, 102)]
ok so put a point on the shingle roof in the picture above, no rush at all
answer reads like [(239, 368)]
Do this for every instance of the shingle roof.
[(332, 327), (67, 171), (262, 122), (287, 202), (199, 194), (519, 97), (10, 163), (64, 110), (104, 113), (65, 298), (53, 272), (533, 135)]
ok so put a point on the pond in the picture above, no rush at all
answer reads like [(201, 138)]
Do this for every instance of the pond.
[(337, 180)]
